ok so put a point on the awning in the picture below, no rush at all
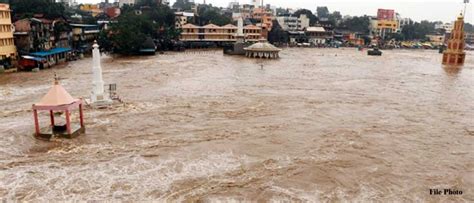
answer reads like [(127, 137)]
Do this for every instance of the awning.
[(51, 52), (39, 59)]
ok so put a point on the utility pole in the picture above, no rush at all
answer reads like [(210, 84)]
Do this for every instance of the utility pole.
[(465, 7)]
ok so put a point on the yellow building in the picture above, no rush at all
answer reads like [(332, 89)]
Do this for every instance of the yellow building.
[(436, 39), (91, 8), (214, 33), (383, 28), (7, 45)]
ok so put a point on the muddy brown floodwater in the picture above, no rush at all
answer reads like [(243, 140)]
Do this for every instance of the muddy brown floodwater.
[(316, 125)]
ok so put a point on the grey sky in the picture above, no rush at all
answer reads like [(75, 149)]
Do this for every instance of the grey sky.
[(444, 10)]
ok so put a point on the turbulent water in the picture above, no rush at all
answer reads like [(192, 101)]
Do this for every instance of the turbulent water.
[(315, 125)]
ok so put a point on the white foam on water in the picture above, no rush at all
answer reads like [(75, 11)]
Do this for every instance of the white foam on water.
[(125, 176)]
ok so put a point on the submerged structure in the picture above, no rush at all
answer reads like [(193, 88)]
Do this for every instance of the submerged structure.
[(262, 49), (58, 100), (238, 47), (454, 54)]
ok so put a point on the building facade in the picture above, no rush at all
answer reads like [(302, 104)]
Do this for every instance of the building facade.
[(214, 33), (183, 18), (40, 34), (292, 23), (383, 28), (7, 45), (83, 36), (318, 35)]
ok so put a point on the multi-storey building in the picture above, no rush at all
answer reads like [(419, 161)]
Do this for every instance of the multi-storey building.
[(39, 34), (318, 35), (387, 22), (383, 28), (83, 36), (292, 23), (469, 38), (183, 18), (214, 33), (448, 27), (7, 45), (93, 9)]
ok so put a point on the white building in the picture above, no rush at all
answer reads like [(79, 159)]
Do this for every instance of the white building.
[(183, 18), (256, 3), (445, 26), (234, 4), (126, 2), (317, 35), (402, 22), (291, 23), (68, 2)]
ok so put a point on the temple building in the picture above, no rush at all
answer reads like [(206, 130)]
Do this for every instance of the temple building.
[(455, 55)]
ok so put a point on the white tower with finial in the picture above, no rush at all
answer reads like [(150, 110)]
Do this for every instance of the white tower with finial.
[(97, 82), (240, 36)]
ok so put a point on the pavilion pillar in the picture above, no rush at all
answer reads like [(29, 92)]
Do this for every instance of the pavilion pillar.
[(81, 115), (68, 122), (37, 129), (51, 115)]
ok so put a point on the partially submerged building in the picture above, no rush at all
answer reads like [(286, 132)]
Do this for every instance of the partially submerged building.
[(83, 36), (218, 34)]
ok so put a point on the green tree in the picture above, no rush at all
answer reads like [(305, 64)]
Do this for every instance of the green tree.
[(130, 32), (183, 5), (277, 35), (209, 14), (27, 8), (418, 31), (357, 24), (322, 12), (139, 25), (312, 18), (468, 27)]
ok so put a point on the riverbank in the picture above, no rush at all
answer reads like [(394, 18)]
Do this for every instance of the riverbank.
[(314, 125)]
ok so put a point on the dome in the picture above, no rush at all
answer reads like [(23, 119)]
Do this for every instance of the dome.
[(263, 46)]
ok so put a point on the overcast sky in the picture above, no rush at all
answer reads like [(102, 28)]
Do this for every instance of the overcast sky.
[(444, 10)]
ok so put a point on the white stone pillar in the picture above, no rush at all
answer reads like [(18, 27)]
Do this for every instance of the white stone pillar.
[(97, 82)]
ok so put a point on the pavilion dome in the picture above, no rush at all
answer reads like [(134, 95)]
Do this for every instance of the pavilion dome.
[(56, 96), (262, 49), (264, 46)]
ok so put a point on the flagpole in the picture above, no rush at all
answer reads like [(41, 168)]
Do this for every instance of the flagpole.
[(465, 7)]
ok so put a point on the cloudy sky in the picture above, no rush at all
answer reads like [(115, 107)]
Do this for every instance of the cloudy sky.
[(444, 10)]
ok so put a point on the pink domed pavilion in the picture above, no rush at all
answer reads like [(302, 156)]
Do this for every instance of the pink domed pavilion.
[(59, 100)]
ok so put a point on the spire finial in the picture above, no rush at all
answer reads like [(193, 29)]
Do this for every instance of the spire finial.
[(56, 79)]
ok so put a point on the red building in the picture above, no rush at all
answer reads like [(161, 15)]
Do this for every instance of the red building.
[(385, 14), (112, 12)]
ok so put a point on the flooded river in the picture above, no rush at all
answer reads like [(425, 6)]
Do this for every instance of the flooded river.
[(316, 125)]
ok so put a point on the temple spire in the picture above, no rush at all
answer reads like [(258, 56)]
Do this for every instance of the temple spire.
[(455, 54)]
